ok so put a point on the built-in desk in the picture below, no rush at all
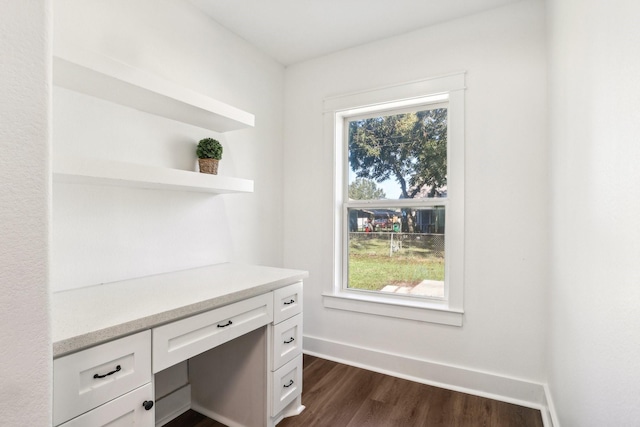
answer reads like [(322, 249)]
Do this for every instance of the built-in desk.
[(239, 326)]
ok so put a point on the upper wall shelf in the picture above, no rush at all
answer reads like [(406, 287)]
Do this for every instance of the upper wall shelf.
[(107, 172), (103, 77)]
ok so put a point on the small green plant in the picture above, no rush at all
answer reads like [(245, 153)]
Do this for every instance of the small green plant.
[(209, 148)]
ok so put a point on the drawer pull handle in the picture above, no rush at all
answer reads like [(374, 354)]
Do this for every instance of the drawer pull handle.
[(288, 385), (118, 368), (229, 323), (290, 340), (289, 303), (147, 404)]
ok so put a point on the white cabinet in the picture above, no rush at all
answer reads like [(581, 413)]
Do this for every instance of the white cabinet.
[(90, 378), (243, 369), (183, 339), (285, 378), (229, 383), (125, 411), (255, 379), (287, 341), (287, 302), (286, 385)]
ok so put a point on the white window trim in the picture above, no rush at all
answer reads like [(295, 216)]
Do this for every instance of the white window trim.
[(336, 109)]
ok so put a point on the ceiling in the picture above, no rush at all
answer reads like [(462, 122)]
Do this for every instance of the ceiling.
[(296, 30)]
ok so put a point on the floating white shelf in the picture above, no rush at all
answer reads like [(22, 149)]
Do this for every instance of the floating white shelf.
[(103, 77), (107, 172)]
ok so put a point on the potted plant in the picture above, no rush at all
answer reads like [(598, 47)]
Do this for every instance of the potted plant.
[(209, 152)]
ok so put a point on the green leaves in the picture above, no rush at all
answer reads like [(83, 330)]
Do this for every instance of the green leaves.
[(209, 148), (365, 189), (410, 147)]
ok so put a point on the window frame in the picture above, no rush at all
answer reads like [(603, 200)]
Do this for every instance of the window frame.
[(411, 96)]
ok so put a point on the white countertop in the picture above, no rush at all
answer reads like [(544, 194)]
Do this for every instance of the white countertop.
[(88, 316)]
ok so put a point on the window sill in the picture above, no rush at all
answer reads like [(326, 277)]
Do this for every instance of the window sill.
[(422, 311)]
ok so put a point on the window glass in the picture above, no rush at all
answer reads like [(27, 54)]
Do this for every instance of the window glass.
[(398, 156), (397, 173), (397, 250)]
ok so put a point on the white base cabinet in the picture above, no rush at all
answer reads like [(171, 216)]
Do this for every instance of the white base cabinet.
[(254, 380), (286, 385), (125, 411), (244, 366), (183, 339), (287, 341), (89, 378), (285, 351)]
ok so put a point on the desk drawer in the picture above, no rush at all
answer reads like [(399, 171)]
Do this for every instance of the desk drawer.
[(287, 341), (125, 411), (183, 339), (89, 378), (287, 302), (286, 385)]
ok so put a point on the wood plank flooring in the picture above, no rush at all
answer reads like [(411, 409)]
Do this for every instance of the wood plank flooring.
[(338, 395)]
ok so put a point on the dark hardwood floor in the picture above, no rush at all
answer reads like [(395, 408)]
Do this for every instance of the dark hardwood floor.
[(338, 395), (193, 419)]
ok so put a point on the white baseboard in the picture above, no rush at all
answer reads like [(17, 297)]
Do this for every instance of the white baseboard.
[(553, 422), (498, 387), (173, 405)]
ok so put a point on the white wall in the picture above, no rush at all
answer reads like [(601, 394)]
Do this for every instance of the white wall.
[(25, 353), (594, 333), (507, 222), (103, 234)]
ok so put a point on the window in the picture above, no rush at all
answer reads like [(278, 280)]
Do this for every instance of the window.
[(399, 182)]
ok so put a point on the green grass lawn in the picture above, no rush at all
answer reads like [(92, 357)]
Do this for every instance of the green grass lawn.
[(371, 267)]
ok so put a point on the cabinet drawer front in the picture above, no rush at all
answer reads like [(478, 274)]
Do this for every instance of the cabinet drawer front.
[(287, 302), (180, 340), (125, 411), (89, 378), (287, 341), (287, 384)]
